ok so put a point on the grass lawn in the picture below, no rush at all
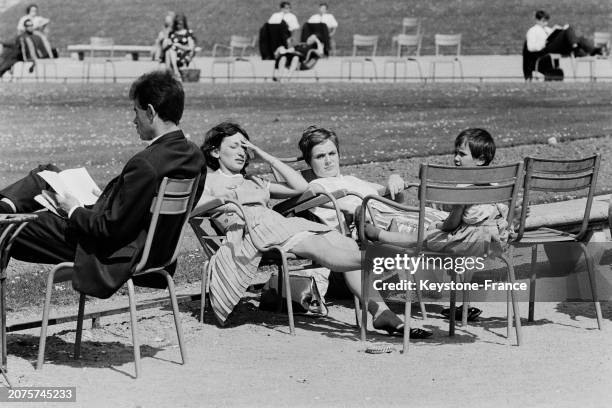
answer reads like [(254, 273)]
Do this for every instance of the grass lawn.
[(91, 126), (488, 26)]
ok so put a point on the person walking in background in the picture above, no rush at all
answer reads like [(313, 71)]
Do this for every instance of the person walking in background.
[(287, 16)]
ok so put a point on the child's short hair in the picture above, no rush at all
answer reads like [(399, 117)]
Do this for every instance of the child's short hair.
[(480, 143), (314, 135)]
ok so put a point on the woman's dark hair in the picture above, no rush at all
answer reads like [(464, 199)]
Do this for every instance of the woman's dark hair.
[(162, 91), (213, 139), (542, 15), (480, 142), (183, 19), (30, 6), (314, 135)]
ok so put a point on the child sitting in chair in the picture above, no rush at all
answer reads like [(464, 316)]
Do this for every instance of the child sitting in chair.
[(469, 229)]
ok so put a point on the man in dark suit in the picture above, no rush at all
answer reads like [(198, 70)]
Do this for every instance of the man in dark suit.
[(105, 240)]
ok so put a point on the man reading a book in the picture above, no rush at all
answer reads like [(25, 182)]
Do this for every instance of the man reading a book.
[(105, 239)]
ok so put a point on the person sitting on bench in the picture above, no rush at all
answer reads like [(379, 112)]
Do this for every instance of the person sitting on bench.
[(302, 57)]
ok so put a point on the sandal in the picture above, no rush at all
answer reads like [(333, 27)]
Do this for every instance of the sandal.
[(392, 324), (379, 350), (473, 313)]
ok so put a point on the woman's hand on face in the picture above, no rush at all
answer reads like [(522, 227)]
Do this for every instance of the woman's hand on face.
[(252, 149), (395, 185)]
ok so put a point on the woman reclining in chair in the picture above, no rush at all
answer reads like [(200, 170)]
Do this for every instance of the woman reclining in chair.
[(302, 57), (234, 265), (320, 149)]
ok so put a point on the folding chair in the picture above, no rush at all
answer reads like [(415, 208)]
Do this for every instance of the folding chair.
[(101, 52), (555, 175), (460, 186), (237, 44), (408, 41), (600, 39), (211, 239), (361, 41), (290, 208), (172, 204), (450, 41)]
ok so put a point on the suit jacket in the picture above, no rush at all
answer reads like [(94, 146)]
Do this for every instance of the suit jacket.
[(111, 234), (272, 36)]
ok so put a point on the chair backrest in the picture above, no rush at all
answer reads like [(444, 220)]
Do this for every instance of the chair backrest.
[(409, 40), (365, 41), (174, 201), (602, 38), (560, 175), (101, 42), (411, 23), (468, 186), (448, 40), (241, 43)]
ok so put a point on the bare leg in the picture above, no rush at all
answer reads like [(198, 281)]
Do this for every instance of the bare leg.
[(339, 254)]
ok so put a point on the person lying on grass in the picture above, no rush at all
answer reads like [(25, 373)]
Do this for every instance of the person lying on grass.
[(233, 267)]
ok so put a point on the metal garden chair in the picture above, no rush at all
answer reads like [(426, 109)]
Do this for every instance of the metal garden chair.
[(174, 200), (448, 41), (360, 42), (454, 186), (556, 175)]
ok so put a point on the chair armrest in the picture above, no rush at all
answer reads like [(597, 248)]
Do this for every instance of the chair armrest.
[(307, 200), (215, 46), (390, 203), (207, 207)]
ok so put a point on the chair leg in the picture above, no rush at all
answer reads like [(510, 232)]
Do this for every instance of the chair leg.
[(204, 288), (357, 312), (453, 308), (45, 320), (532, 283), (407, 315), (176, 313), (592, 283), (133, 323), (464, 315), (287, 287), (515, 308), (420, 298), (365, 297), (79, 330)]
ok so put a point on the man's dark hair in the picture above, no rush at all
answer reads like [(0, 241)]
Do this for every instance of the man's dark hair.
[(30, 6), (162, 91), (284, 4), (213, 139), (314, 135), (27, 21), (323, 4), (542, 15), (480, 142)]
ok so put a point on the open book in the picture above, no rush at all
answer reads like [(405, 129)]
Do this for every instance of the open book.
[(76, 182)]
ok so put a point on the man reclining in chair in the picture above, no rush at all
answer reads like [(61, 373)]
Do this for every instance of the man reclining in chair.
[(302, 57), (106, 240)]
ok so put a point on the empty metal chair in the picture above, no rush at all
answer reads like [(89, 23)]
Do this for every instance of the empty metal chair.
[(360, 42), (447, 41), (101, 52), (410, 42), (237, 48)]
